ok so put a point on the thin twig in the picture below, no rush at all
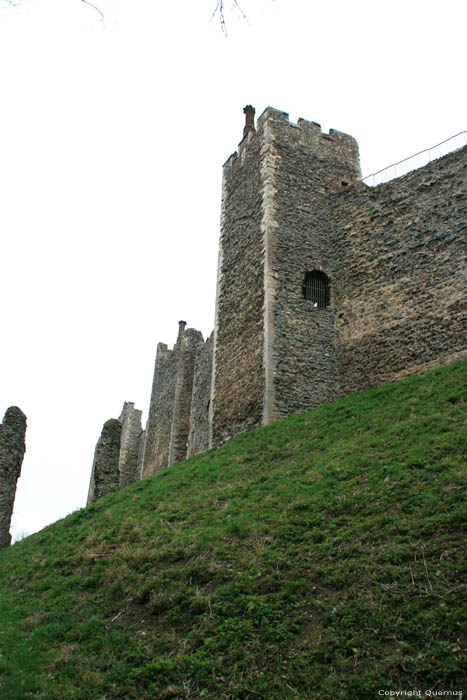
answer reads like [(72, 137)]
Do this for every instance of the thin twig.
[(220, 8), (95, 8)]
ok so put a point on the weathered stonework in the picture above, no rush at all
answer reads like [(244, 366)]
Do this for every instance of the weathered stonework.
[(169, 412), (238, 372), (399, 292), (393, 256), (391, 261), (198, 436), (105, 476), (12, 449), (129, 463), (274, 227)]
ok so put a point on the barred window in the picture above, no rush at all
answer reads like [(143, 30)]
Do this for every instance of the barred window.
[(316, 288)]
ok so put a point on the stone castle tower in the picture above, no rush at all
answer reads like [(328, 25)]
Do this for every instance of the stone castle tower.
[(326, 287), (273, 343)]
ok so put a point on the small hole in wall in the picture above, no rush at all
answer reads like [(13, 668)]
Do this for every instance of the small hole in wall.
[(207, 405)]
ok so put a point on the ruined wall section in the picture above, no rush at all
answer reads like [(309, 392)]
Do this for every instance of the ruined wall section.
[(168, 423), (191, 341), (401, 286), (105, 475), (198, 436), (238, 376), (301, 167), (129, 464), (12, 449)]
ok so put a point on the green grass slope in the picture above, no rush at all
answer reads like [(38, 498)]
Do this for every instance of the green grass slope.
[(319, 558)]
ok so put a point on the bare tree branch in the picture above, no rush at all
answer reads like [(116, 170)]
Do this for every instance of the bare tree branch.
[(95, 8), (220, 10)]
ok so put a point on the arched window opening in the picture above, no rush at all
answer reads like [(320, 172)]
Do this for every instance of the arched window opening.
[(316, 288)]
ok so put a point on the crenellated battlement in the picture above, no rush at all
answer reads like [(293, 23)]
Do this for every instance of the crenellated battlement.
[(274, 124)]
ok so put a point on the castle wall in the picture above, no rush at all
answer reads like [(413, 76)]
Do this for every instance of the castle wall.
[(12, 449), (238, 376), (198, 437), (129, 464), (292, 204), (169, 412), (105, 476), (399, 292), (393, 257)]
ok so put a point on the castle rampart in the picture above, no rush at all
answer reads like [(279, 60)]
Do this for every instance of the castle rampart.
[(400, 287), (12, 449), (325, 287)]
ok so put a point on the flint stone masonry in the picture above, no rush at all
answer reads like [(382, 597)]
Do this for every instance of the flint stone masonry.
[(105, 476), (394, 258), (274, 228), (129, 464), (400, 283), (292, 204), (198, 436), (12, 449), (171, 397), (238, 373)]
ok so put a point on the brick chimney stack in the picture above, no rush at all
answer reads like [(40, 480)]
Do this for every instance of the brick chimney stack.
[(249, 113), (181, 330)]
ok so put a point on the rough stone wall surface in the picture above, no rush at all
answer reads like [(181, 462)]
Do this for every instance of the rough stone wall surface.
[(105, 477), (130, 444), (393, 255), (237, 402), (188, 346), (159, 423), (400, 285), (198, 436), (142, 444), (12, 449), (305, 167), (169, 412), (395, 262)]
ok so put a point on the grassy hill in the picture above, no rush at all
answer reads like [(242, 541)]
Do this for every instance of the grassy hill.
[(319, 558)]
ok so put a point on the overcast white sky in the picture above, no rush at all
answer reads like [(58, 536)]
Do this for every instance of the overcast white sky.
[(112, 139)]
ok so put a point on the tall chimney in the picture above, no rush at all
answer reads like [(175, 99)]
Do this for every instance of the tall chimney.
[(181, 330), (249, 113)]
